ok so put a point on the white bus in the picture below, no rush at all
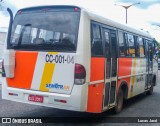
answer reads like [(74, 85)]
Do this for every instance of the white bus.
[(68, 58)]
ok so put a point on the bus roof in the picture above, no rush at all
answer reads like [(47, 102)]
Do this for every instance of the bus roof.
[(102, 20), (117, 25)]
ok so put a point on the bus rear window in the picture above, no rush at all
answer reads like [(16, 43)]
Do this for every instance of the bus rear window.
[(45, 31)]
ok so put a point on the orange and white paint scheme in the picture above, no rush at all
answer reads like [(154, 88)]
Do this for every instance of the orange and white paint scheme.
[(71, 77)]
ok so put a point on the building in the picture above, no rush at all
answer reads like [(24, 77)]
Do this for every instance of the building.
[(3, 35)]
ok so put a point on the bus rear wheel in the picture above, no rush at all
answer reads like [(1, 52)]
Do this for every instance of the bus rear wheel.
[(119, 102), (150, 92)]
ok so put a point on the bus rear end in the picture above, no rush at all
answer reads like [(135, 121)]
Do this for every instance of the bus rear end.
[(42, 64)]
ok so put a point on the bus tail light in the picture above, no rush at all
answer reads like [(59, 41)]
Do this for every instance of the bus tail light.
[(13, 94), (79, 74), (62, 101), (3, 71)]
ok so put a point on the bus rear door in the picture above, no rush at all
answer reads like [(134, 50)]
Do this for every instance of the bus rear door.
[(149, 60), (110, 45)]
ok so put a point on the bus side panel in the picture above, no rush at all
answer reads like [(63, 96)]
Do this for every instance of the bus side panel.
[(124, 70), (137, 82), (155, 70), (24, 70), (95, 98), (97, 69), (125, 65), (95, 91)]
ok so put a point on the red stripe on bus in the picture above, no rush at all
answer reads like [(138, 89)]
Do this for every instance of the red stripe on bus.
[(24, 70)]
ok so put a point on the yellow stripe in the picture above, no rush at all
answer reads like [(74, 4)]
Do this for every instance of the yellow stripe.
[(133, 78), (47, 74), (53, 53)]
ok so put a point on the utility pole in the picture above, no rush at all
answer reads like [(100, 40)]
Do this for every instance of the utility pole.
[(126, 8)]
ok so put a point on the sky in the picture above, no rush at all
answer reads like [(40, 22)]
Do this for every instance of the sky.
[(141, 16)]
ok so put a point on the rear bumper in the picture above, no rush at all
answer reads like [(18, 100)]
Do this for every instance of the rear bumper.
[(76, 101)]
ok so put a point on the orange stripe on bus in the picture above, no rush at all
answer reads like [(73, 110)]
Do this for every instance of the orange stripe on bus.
[(95, 98), (125, 65), (97, 69), (95, 92), (124, 69), (24, 70)]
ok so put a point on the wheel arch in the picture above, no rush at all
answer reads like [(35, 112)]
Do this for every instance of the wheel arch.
[(124, 87), (154, 80)]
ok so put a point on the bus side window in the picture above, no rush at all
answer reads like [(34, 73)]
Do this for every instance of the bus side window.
[(146, 47), (130, 45), (96, 41), (155, 50), (151, 50), (126, 42), (122, 49), (140, 47)]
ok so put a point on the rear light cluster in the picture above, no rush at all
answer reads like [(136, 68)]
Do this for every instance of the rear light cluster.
[(62, 101), (79, 74), (3, 71), (13, 94)]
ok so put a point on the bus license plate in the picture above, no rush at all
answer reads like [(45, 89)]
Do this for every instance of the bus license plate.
[(35, 98)]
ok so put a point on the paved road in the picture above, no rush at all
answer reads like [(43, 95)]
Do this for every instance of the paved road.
[(140, 106)]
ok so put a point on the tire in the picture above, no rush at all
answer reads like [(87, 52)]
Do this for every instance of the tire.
[(119, 102), (150, 92)]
